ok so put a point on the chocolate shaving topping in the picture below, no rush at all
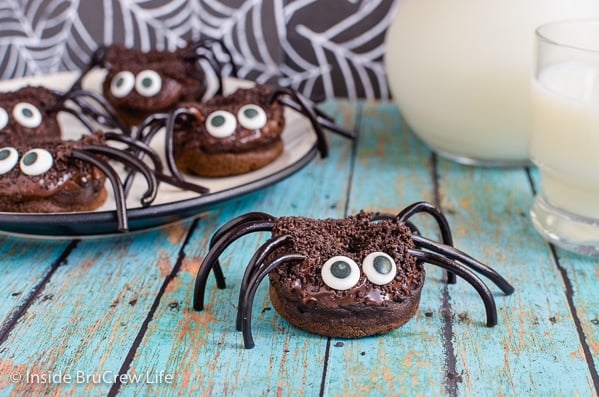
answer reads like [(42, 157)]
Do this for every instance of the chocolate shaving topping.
[(354, 237)]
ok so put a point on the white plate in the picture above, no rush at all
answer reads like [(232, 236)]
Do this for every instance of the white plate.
[(171, 204)]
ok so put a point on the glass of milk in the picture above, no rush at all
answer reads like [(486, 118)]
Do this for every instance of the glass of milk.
[(564, 141)]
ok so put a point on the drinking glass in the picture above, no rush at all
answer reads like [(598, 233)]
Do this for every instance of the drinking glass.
[(564, 140)]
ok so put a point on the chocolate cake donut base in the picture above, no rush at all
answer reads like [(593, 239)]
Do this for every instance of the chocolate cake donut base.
[(353, 321), (228, 164), (84, 200)]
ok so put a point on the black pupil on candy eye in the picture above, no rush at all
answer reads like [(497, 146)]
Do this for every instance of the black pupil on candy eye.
[(340, 269), (147, 82), (4, 154), (250, 113), (120, 81), (382, 265), (30, 158), (27, 112), (218, 121)]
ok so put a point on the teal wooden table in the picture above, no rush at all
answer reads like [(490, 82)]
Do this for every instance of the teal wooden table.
[(113, 316)]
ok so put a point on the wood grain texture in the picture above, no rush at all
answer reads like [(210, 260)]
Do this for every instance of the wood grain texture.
[(23, 265), (89, 312), (535, 339)]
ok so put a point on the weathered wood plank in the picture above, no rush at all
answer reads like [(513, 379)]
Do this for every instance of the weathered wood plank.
[(393, 169), (581, 275), (88, 314), (202, 349), (23, 265), (535, 340)]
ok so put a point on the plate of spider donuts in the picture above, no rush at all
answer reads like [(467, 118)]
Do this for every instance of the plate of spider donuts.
[(139, 140)]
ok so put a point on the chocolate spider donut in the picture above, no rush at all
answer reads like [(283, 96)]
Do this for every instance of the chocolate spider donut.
[(233, 134), (352, 277), (28, 113), (45, 179), (230, 135), (141, 83), (357, 280)]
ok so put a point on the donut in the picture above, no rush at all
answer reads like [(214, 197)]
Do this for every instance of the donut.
[(308, 297), (139, 84), (29, 113), (230, 135), (46, 179)]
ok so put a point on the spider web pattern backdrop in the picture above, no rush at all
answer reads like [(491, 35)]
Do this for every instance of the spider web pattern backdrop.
[(322, 48)]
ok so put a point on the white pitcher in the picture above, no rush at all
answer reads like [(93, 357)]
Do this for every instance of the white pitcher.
[(460, 72)]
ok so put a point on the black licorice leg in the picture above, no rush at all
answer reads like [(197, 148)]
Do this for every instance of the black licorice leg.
[(168, 142), (133, 162), (113, 177), (137, 144), (177, 178), (83, 121), (423, 206), (465, 259), (248, 218), (466, 274), (111, 119), (248, 295), (201, 74), (211, 259), (323, 119), (257, 260), (306, 108), (234, 223), (97, 59), (139, 137), (142, 149), (155, 122)]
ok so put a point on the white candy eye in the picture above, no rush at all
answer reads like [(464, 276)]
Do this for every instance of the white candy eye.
[(36, 162), (8, 159), (221, 124), (379, 267), (27, 115), (122, 84), (3, 118), (252, 117), (340, 272), (148, 83)]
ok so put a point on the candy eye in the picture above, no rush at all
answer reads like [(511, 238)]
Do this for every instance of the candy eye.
[(221, 124), (340, 272), (252, 117), (122, 84), (36, 162), (8, 159), (27, 115), (3, 118), (379, 267), (148, 83)]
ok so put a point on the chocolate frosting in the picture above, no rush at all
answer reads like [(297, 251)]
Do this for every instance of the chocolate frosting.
[(191, 134), (40, 97), (354, 237), (181, 80), (69, 182)]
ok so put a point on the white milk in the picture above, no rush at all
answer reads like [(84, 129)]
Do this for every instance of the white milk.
[(565, 135), (460, 71)]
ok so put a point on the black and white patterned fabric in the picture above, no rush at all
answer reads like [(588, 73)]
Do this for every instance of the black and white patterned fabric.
[(323, 48)]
